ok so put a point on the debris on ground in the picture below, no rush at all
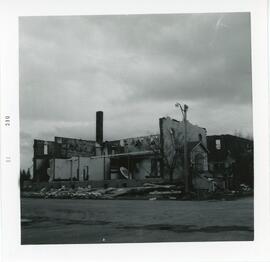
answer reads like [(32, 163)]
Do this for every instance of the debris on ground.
[(146, 191), (153, 198), (245, 188)]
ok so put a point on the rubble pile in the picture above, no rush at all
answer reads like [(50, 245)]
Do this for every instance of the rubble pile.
[(147, 191)]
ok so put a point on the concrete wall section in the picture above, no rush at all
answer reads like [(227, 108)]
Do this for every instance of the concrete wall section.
[(201, 183), (199, 154), (143, 169), (96, 167), (79, 168), (194, 132), (84, 172), (172, 145), (66, 169)]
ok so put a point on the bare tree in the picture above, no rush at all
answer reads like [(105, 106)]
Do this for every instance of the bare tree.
[(172, 152)]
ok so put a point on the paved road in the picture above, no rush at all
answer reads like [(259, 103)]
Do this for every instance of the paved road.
[(57, 221)]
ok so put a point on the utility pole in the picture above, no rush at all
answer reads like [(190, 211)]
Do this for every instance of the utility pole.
[(70, 170), (184, 114)]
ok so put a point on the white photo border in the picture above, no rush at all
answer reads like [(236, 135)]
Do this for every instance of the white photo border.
[(12, 250)]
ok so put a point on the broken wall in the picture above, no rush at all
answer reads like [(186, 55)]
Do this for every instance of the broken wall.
[(99, 168), (40, 166), (201, 183), (134, 144), (199, 151), (142, 169), (43, 152), (80, 168), (69, 147), (43, 148), (172, 145), (64, 169)]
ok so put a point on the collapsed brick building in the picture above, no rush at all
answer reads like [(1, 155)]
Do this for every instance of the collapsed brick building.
[(227, 159), (158, 156), (231, 159)]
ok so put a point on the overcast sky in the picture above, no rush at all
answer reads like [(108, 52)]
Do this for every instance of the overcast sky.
[(134, 68)]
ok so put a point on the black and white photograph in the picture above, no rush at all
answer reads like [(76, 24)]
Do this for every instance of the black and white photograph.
[(136, 128)]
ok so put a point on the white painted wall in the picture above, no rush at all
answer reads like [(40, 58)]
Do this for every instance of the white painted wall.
[(96, 168), (64, 168), (68, 168)]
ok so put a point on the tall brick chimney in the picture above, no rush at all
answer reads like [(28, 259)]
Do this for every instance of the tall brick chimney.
[(99, 127)]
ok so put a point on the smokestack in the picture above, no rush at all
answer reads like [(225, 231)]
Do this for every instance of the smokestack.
[(99, 127)]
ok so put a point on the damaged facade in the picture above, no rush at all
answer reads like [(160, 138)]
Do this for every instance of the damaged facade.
[(226, 159), (231, 159), (158, 156), (172, 147)]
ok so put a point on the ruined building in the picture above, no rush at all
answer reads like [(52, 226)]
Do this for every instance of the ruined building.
[(158, 156), (231, 159)]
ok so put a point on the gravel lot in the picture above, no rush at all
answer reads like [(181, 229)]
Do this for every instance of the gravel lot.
[(57, 221)]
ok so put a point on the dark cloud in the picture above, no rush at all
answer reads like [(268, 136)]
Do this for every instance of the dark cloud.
[(134, 67)]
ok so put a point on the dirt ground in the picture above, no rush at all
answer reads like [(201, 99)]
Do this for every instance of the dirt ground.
[(59, 221)]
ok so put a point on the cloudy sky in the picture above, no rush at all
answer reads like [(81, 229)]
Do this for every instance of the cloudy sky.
[(134, 68)]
